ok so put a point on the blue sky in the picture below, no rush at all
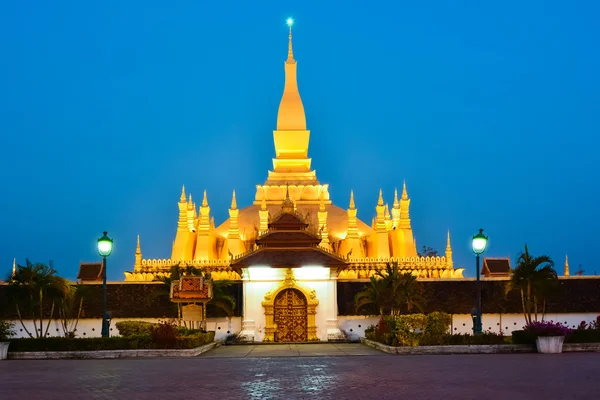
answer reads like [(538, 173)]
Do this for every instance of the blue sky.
[(490, 111)]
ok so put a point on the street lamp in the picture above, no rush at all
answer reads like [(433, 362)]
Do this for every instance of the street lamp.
[(479, 245), (105, 245)]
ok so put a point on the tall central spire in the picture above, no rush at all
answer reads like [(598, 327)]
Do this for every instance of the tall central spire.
[(291, 111), (291, 162)]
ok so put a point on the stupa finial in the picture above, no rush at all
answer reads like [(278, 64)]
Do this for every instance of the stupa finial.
[(352, 205), (289, 23), (205, 200), (380, 201), (404, 192), (233, 201), (182, 198)]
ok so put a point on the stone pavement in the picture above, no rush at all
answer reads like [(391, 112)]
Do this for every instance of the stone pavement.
[(292, 350), (380, 376)]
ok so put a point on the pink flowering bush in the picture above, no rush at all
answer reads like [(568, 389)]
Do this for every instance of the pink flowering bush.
[(547, 328)]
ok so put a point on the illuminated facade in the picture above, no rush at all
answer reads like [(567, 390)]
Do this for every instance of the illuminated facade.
[(292, 244)]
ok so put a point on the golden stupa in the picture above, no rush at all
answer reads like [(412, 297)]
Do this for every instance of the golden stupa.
[(364, 248)]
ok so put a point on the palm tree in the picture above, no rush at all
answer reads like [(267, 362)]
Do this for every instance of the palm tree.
[(373, 295), (33, 286), (391, 291), (534, 278), (70, 308)]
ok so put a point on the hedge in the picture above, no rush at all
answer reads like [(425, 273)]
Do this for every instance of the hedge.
[(135, 342), (577, 336)]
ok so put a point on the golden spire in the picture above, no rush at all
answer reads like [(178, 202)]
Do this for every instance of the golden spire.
[(138, 254), (288, 204), (290, 58), (352, 206), (190, 203), (404, 192), (233, 201), (205, 200), (566, 273), (182, 198), (396, 210), (449, 262), (14, 270), (291, 115), (380, 201)]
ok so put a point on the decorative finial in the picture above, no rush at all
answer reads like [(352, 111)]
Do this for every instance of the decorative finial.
[(352, 206), (448, 242), (566, 272), (380, 201), (396, 203), (182, 198), (205, 200), (14, 269), (138, 249), (289, 23), (233, 201), (404, 192), (387, 212)]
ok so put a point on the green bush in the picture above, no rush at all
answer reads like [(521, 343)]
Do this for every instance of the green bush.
[(134, 342), (6, 330), (584, 336), (438, 323), (523, 337), (131, 328), (409, 329)]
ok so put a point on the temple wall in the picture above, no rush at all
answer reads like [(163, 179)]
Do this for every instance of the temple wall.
[(354, 325), (91, 327)]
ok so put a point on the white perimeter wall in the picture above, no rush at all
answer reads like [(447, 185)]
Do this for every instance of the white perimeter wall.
[(91, 327), (354, 326)]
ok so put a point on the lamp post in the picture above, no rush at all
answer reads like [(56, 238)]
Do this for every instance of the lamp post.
[(479, 246), (105, 245)]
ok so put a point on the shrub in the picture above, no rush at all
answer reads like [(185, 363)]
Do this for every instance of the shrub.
[(410, 329), (131, 328), (135, 342), (6, 330), (547, 328), (584, 336), (523, 337), (164, 335), (438, 323)]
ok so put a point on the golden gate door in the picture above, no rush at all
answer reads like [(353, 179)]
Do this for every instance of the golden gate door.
[(290, 316)]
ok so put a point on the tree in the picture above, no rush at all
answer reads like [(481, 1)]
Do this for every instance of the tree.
[(33, 287), (427, 251), (391, 292), (534, 278), (70, 307)]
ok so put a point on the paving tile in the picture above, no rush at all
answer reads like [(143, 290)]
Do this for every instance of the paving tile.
[(380, 376)]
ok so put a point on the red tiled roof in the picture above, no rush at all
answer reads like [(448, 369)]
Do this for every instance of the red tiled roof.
[(90, 272)]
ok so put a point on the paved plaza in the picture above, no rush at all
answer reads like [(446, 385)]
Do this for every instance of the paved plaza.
[(332, 371)]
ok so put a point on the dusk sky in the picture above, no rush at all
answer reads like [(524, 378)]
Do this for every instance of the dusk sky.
[(490, 111)]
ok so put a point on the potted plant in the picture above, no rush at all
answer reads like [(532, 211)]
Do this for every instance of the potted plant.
[(5, 332), (549, 335)]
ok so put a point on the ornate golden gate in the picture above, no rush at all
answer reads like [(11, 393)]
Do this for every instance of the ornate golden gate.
[(290, 316)]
